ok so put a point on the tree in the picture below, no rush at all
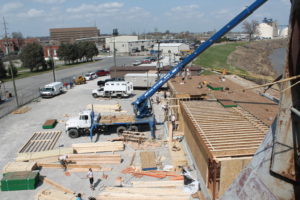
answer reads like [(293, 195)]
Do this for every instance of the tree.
[(250, 28), (17, 35), (14, 70), (32, 57), (2, 70), (91, 50)]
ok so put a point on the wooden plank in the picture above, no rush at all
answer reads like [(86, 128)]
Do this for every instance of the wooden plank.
[(43, 154), (93, 155), (103, 169), (157, 184), (98, 147), (22, 110), (147, 191), (19, 166), (148, 160), (97, 144), (56, 185), (177, 154)]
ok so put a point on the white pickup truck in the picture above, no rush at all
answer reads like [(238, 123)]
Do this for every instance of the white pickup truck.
[(117, 89)]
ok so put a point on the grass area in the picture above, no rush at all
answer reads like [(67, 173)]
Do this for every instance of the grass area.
[(215, 58), (26, 74)]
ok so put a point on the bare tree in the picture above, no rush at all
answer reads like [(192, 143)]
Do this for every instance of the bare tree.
[(250, 28)]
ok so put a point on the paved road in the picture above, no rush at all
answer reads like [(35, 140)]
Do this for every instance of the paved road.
[(28, 87)]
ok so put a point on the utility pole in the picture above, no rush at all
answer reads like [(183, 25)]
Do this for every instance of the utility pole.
[(158, 62), (53, 67), (115, 33), (9, 60)]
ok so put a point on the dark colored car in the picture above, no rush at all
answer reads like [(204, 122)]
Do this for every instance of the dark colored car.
[(102, 83), (102, 72)]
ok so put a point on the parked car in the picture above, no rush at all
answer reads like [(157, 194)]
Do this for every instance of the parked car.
[(102, 82), (136, 63), (90, 76), (146, 61), (102, 73)]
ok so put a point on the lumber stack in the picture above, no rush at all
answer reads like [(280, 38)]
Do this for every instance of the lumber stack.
[(19, 167), (43, 154), (117, 193), (102, 108), (148, 160), (152, 173), (74, 167), (98, 147), (94, 159), (117, 119), (177, 154), (49, 124), (51, 194), (158, 184)]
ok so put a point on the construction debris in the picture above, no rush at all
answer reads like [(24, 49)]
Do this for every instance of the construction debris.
[(22, 110)]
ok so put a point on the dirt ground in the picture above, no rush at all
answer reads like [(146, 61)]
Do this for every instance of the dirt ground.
[(243, 56)]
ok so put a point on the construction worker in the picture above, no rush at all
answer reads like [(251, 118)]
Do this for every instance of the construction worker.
[(173, 120), (63, 161), (78, 196), (91, 178)]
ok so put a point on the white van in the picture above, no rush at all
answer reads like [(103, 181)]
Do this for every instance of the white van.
[(114, 89), (52, 89)]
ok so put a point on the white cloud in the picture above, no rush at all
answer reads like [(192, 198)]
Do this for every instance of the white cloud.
[(31, 13), (50, 1), (105, 7), (185, 12), (10, 7)]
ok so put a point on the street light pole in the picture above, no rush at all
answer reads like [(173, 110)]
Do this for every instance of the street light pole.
[(53, 67), (158, 63), (115, 33)]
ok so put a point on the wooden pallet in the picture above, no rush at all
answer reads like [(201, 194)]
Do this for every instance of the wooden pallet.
[(41, 141)]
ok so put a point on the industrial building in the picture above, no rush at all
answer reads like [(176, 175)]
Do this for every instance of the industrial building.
[(171, 48), (69, 35)]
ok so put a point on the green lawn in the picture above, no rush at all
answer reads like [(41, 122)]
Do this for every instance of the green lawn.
[(215, 57)]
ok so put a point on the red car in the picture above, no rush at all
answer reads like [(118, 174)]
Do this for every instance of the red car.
[(102, 73)]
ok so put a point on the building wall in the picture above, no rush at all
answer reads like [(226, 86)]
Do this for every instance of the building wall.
[(69, 35), (50, 51), (265, 31), (119, 39), (174, 48)]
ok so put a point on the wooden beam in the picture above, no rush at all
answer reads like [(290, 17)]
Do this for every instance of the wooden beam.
[(56, 185)]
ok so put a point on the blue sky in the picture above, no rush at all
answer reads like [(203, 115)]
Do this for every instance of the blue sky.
[(35, 17)]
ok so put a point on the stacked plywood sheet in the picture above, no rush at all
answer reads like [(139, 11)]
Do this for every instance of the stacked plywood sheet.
[(51, 194), (117, 119), (117, 193), (49, 124), (148, 160), (43, 154), (98, 147), (19, 166)]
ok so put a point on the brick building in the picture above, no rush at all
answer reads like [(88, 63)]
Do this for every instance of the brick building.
[(69, 35)]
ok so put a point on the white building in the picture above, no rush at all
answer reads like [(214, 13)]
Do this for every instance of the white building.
[(173, 48), (284, 32), (265, 31), (128, 44)]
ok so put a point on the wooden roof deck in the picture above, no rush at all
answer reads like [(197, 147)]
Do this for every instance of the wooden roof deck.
[(225, 131)]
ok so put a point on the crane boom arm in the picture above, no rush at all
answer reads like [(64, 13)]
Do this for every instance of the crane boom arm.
[(141, 106)]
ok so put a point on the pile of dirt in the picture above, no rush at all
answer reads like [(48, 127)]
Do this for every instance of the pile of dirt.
[(254, 56)]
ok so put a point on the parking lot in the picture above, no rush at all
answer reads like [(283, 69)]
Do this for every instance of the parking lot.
[(16, 130)]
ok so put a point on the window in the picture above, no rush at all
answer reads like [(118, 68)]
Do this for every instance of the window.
[(84, 117)]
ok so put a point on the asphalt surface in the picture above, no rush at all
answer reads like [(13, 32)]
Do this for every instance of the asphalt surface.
[(28, 88)]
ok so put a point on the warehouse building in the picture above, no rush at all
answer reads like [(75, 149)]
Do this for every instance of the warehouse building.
[(69, 35), (173, 48)]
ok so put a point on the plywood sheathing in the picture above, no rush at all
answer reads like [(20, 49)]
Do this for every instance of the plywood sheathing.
[(225, 131), (262, 108)]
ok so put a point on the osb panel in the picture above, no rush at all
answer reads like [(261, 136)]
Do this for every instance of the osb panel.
[(230, 169)]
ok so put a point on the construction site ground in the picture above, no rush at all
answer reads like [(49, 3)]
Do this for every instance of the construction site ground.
[(17, 129)]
